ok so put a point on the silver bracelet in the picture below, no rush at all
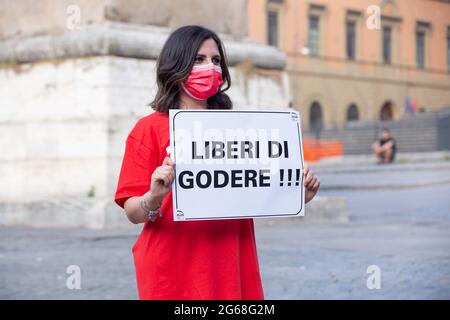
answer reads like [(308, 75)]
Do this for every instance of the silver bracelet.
[(151, 214)]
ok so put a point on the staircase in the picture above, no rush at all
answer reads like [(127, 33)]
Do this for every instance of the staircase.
[(415, 133)]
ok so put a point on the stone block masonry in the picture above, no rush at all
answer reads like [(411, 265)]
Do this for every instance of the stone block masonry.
[(67, 103)]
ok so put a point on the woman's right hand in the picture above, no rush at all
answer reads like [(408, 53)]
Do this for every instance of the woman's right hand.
[(162, 178)]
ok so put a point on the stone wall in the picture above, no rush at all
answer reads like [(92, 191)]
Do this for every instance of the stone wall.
[(67, 102), (25, 17)]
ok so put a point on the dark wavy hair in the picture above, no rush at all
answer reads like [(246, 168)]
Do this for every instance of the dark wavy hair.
[(175, 63)]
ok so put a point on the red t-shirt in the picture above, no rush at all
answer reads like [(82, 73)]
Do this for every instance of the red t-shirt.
[(214, 259)]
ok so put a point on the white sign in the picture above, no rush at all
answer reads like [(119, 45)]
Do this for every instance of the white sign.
[(236, 164)]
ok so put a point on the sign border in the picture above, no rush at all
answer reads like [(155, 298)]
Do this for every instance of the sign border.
[(174, 194)]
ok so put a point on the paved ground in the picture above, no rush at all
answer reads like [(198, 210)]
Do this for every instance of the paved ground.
[(404, 231)]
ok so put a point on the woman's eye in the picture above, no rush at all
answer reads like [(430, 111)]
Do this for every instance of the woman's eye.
[(198, 60), (216, 61)]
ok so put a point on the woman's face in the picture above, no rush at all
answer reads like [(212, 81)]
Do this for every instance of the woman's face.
[(208, 53)]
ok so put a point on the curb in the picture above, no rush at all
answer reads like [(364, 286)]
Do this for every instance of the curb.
[(384, 186)]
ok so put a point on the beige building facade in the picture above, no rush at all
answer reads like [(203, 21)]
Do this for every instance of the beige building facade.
[(360, 60)]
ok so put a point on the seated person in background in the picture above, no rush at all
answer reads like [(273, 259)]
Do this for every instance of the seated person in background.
[(385, 147)]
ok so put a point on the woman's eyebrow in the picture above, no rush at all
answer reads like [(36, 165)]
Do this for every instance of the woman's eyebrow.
[(204, 55)]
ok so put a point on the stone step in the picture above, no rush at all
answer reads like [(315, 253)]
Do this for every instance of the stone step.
[(420, 133)]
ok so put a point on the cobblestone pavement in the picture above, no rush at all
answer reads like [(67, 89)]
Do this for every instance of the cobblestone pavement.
[(405, 232)]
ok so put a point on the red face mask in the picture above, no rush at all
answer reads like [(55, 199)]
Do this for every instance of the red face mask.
[(204, 81)]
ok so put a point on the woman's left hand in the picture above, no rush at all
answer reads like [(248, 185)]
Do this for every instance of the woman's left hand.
[(311, 183)]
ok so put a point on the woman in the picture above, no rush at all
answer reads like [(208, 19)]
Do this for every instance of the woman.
[(185, 260)]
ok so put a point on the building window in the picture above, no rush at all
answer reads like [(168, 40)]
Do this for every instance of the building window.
[(420, 49), (313, 35), (352, 113), (272, 28), (387, 44), (448, 49), (422, 30), (351, 39)]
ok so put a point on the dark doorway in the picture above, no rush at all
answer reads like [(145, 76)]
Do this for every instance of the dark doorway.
[(315, 118), (386, 112), (352, 113)]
